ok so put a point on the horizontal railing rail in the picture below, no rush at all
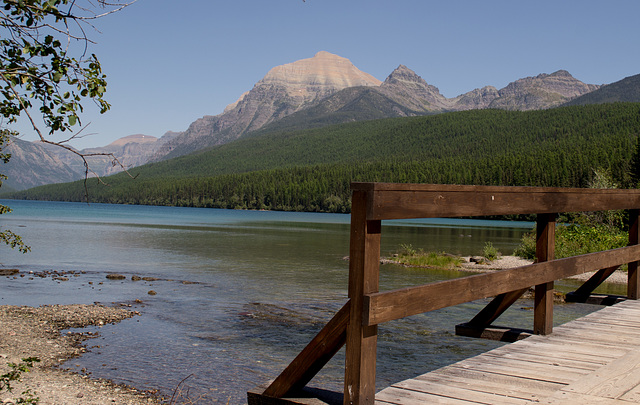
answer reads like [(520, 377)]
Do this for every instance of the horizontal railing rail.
[(356, 323), (390, 305)]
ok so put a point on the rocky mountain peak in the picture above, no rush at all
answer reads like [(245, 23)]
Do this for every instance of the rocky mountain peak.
[(403, 74), (530, 93), (324, 70), (405, 86)]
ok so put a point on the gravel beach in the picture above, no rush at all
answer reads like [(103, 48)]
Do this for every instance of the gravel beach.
[(37, 332), (507, 262), (41, 332)]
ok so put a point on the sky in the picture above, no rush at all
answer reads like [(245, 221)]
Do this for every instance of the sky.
[(171, 62)]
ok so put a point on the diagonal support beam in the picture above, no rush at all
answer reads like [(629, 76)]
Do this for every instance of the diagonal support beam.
[(495, 308), (313, 357), (585, 290)]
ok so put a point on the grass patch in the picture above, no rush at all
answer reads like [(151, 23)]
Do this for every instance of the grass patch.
[(409, 256)]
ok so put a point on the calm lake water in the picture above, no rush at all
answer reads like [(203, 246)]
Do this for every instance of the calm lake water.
[(240, 293)]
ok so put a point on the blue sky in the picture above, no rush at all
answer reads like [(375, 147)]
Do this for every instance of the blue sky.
[(169, 63)]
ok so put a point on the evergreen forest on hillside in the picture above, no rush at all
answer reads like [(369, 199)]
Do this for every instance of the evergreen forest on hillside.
[(311, 170)]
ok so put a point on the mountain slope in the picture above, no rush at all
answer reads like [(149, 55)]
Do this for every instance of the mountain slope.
[(284, 90), (311, 169), (274, 105), (529, 93), (32, 164), (625, 90)]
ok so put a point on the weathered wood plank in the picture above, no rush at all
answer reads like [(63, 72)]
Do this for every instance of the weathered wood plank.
[(389, 305), (548, 360), (313, 357), (543, 296), (565, 398), (495, 308), (633, 274), (394, 201), (595, 354), (307, 396), (524, 369), (499, 333), (585, 290), (489, 386), (397, 396), (507, 381), (611, 381), (364, 265), (450, 391)]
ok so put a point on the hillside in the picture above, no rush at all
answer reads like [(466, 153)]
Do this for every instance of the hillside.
[(284, 90), (328, 89), (311, 170), (33, 164), (310, 93), (625, 90)]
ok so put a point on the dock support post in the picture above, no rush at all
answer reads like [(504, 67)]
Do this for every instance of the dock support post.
[(545, 251), (364, 268), (633, 282)]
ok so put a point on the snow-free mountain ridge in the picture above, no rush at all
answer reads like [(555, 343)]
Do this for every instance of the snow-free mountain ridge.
[(325, 89)]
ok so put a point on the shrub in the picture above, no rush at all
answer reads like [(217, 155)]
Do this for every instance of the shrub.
[(490, 252), (576, 239)]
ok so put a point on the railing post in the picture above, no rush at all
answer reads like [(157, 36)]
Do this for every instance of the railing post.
[(633, 281), (364, 267), (545, 251)]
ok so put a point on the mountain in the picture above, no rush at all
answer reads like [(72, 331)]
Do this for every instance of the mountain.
[(284, 90), (35, 163), (529, 93), (405, 87), (131, 151), (32, 164), (404, 94), (312, 169), (323, 90), (625, 90)]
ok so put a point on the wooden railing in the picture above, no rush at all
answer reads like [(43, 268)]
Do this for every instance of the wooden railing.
[(356, 323)]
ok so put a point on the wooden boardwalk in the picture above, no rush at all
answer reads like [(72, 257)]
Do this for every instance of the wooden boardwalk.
[(591, 360)]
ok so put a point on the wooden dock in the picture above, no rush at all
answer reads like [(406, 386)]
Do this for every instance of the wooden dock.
[(591, 360)]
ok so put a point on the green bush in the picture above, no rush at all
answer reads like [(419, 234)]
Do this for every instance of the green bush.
[(490, 252), (576, 239)]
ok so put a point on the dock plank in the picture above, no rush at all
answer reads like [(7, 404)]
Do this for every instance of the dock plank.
[(592, 360)]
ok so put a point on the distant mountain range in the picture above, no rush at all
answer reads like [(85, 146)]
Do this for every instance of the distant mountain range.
[(322, 90)]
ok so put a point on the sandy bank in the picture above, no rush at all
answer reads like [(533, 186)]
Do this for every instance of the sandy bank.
[(36, 332), (507, 262)]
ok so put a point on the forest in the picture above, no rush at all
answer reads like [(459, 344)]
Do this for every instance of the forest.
[(311, 170)]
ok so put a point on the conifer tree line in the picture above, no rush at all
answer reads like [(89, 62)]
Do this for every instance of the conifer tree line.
[(312, 170)]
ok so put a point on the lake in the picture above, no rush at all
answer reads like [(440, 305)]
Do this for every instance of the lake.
[(239, 293)]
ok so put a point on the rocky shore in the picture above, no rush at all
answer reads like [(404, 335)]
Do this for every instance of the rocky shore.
[(37, 332), (507, 262)]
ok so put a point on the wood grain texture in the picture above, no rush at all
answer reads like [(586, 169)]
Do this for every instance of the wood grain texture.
[(394, 201), (395, 304), (364, 265), (314, 356), (577, 364)]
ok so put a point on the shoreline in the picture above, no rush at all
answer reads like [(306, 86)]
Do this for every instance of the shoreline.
[(37, 332), (507, 262)]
